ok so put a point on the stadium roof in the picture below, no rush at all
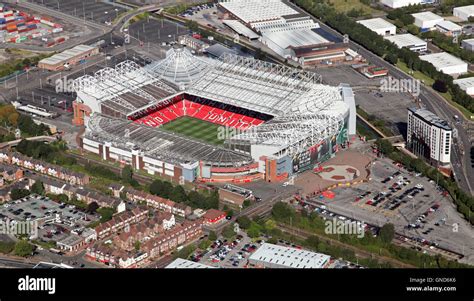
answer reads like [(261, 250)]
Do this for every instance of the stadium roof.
[(304, 110), (179, 68), (405, 40), (125, 88), (250, 11), (159, 144), (289, 257), (376, 23)]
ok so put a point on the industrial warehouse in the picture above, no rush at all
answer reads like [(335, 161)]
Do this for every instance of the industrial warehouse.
[(167, 118), (285, 30)]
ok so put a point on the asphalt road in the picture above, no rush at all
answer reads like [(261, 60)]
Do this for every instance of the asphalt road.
[(460, 159)]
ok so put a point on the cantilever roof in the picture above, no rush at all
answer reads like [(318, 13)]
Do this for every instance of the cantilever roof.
[(160, 144)]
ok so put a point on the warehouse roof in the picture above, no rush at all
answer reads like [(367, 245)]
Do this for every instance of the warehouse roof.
[(289, 257), (296, 38), (405, 40), (67, 55), (469, 41), (427, 16), (448, 25), (469, 9), (376, 23), (180, 263), (258, 10), (241, 29), (465, 83), (442, 60)]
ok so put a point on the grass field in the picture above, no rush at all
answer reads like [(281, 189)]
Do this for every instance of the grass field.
[(343, 6), (195, 128)]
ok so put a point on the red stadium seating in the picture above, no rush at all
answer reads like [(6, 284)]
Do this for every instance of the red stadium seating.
[(200, 111)]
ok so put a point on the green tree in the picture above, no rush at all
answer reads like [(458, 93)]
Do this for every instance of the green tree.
[(204, 244), (137, 245), (105, 214), (37, 188), (387, 233), (92, 207), (16, 193), (244, 222), (384, 146), (212, 236), (282, 211), (127, 174), (23, 248), (440, 86), (228, 232)]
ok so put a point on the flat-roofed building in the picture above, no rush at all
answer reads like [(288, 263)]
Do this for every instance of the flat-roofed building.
[(409, 41), (464, 12), (429, 136), (400, 3), (241, 29), (466, 84), (379, 26), (468, 44), (427, 20), (446, 63), (71, 56), (180, 263), (449, 28), (275, 256)]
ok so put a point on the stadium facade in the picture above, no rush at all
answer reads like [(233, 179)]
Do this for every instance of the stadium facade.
[(274, 120)]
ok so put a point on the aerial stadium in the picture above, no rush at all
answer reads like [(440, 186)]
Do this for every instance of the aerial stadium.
[(232, 119)]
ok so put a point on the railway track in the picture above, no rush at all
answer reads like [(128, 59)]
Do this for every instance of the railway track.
[(360, 253)]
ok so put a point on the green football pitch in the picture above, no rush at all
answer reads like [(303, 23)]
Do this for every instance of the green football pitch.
[(195, 128)]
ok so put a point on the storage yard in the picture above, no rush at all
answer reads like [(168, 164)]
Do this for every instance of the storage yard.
[(18, 26), (90, 10)]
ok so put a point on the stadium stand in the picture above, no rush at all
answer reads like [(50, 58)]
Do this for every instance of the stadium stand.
[(220, 115)]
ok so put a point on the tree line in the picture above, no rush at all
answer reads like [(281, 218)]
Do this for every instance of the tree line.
[(381, 244), (177, 194)]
